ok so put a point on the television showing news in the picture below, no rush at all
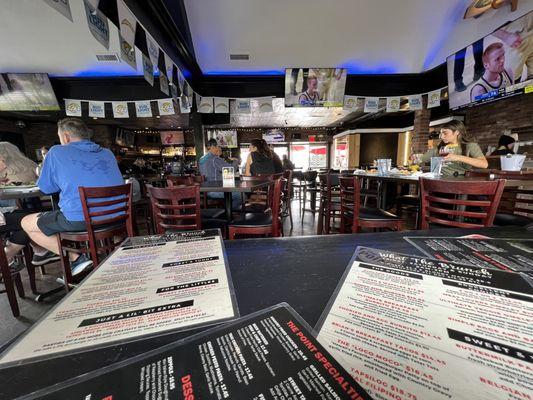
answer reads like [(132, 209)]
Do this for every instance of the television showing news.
[(224, 138), (172, 137), (27, 92), (496, 66), (314, 87)]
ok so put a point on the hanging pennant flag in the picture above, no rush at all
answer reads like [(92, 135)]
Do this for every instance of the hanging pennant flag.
[(350, 103), (73, 108), (163, 83), (242, 106), (415, 102), (434, 98), (98, 24), (168, 65), (371, 104), (148, 69), (96, 109), (393, 104), (120, 109), (174, 91), (204, 104), (264, 104), (143, 108), (127, 53), (185, 106), (166, 107), (62, 6), (127, 23), (221, 105), (181, 82), (153, 50)]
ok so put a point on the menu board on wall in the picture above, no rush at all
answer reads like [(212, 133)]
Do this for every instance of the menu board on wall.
[(506, 254), (413, 328), (148, 286), (269, 355)]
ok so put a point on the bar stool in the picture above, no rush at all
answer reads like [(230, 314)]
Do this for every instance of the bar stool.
[(309, 186), (287, 196), (329, 207), (11, 280)]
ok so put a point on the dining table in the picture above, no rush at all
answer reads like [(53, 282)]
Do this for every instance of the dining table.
[(301, 271)]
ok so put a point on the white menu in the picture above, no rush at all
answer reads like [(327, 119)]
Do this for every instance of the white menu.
[(414, 328), (148, 286)]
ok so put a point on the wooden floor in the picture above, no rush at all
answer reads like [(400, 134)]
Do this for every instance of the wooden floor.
[(31, 311)]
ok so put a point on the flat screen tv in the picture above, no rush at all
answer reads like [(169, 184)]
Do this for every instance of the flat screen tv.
[(224, 138), (314, 87), (27, 92), (496, 66), (172, 137)]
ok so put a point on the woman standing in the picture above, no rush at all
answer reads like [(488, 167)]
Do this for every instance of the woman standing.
[(458, 151), (262, 160)]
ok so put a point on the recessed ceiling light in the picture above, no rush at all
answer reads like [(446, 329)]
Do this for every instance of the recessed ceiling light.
[(157, 116), (146, 128), (95, 117)]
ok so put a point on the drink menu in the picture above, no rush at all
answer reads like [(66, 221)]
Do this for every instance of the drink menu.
[(148, 286), (507, 254), (269, 355), (411, 328)]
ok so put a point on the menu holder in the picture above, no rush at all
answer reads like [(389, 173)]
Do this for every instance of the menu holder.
[(414, 328), (149, 286), (228, 177), (505, 254), (267, 355)]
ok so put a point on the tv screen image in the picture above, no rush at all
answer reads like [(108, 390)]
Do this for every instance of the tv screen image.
[(27, 92), (172, 137), (496, 66), (314, 87), (224, 138)]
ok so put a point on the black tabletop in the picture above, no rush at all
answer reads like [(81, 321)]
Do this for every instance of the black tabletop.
[(302, 271), (240, 186)]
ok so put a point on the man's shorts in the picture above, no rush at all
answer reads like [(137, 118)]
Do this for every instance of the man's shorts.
[(52, 222)]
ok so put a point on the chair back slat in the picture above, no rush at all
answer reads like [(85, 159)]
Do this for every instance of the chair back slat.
[(276, 205), (180, 180), (176, 208), (462, 204)]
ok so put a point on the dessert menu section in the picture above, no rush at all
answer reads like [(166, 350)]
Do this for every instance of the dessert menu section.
[(507, 254), (412, 328), (270, 355), (148, 286)]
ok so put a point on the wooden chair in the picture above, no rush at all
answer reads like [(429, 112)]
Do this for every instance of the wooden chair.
[(516, 204), (329, 207), (104, 226), (179, 180), (266, 223), (461, 204), (176, 208), (309, 186), (287, 196), (354, 217), (259, 200), (11, 280)]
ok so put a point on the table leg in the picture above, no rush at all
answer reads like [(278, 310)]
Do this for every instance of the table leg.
[(229, 205)]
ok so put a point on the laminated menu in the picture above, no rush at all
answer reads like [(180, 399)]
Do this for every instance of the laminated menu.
[(268, 355), (507, 254), (148, 286), (411, 328)]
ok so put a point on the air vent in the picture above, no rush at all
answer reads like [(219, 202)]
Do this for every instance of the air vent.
[(239, 57), (107, 57)]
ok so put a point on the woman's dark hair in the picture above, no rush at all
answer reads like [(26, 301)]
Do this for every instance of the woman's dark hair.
[(462, 139), (262, 147), (505, 140)]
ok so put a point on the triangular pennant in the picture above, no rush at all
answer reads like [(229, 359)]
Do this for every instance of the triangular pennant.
[(120, 109), (143, 108), (415, 102), (434, 98), (63, 7), (393, 104), (98, 24), (97, 109), (73, 108), (221, 105), (166, 107)]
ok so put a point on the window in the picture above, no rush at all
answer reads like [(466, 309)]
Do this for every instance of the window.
[(300, 155), (318, 156), (281, 151)]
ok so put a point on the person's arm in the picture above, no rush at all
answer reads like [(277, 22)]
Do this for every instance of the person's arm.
[(247, 171), (511, 39), (426, 157), (476, 91), (47, 181), (475, 157), (219, 163)]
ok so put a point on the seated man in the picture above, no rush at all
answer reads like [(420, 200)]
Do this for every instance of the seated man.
[(211, 165), (76, 162)]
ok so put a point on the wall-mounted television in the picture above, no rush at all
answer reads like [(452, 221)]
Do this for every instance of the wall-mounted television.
[(172, 137), (314, 87), (274, 135), (224, 138), (27, 92), (496, 66)]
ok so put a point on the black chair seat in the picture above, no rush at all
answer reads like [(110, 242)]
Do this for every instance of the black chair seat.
[(253, 220), (212, 213), (215, 224), (375, 214), (503, 219), (97, 230), (408, 200)]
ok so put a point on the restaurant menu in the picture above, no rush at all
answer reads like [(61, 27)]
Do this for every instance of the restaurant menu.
[(268, 355), (148, 286), (410, 328), (507, 254)]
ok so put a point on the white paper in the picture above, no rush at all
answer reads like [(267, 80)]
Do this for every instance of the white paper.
[(397, 330), (166, 107), (96, 109), (148, 286), (143, 108), (73, 108)]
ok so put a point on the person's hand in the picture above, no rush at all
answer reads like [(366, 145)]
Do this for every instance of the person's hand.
[(452, 157)]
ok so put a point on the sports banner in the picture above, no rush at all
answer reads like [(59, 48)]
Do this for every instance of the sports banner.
[(221, 105), (434, 98), (204, 104), (393, 104), (97, 109), (148, 70), (153, 50), (98, 24), (166, 107), (120, 109), (371, 104), (73, 108), (163, 83), (415, 102), (242, 106), (265, 104), (62, 6), (143, 108)]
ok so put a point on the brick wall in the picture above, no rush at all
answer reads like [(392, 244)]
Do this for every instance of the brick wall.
[(419, 138)]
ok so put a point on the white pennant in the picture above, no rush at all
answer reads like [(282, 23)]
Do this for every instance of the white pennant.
[(350, 103), (371, 104), (434, 98), (264, 104), (163, 83), (415, 102), (393, 104), (168, 66), (204, 104), (73, 108), (62, 7), (127, 23), (143, 108), (185, 106), (96, 109), (242, 106), (148, 70), (221, 105), (166, 107), (153, 50), (120, 109)]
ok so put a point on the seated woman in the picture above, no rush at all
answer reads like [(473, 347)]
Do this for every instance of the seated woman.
[(505, 146), (16, 168), (458, 151), (262, 160)]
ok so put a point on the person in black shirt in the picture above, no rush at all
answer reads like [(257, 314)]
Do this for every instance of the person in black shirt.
[(262, 160), (286, 163), (505, 146)]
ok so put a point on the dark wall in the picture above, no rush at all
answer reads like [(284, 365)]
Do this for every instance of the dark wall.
[(378, 145)]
